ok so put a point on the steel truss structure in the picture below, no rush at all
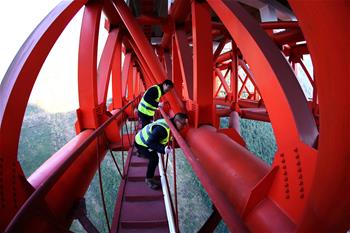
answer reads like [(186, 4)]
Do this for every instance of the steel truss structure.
[(217, 53)]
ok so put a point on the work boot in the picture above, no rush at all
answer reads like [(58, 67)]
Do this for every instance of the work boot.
[(152, 183)]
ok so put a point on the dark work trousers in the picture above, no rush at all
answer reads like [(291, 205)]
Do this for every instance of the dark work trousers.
[(144, 118), (152, 156)]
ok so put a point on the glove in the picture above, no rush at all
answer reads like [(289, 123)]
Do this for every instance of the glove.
[(160, 105), (168, 150)]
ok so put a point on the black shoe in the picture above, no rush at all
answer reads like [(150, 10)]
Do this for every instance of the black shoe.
[(153, 184)]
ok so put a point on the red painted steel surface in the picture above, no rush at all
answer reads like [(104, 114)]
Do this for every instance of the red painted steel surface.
[(202, 64), (328, 205), (306, 188), (105, 65), (87, 63), (15, 91)]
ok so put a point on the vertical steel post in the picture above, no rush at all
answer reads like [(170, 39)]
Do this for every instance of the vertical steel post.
[(202, 63)]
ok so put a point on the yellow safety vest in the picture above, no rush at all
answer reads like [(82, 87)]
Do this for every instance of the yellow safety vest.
[(143, 135), (147, 108)]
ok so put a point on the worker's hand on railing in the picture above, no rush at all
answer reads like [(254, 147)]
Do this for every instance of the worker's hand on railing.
[(168, 150), (161, 105)]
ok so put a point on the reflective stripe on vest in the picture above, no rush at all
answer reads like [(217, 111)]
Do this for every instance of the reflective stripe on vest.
[(143, 135), (147, 108)]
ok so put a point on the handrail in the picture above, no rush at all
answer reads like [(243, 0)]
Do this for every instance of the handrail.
[(221, 204), (46, 185), (167, 198)]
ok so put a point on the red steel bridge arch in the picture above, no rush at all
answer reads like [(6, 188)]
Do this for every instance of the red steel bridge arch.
[(305, 189)]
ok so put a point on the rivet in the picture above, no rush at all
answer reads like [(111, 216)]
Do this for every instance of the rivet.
[(299, 169), (301, 183), (286, 185), (300, 176), (286, 191), (298, 163), (301, 189), (282, 155), (301, 196), (296, 149), (283, 160), (284, 166), (285, 178), (287, 196), (285, 173), (297, 156)]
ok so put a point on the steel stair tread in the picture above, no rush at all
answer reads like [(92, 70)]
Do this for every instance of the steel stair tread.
[(139, 173), (139, 191), (143, 211), (138, 162), (163, 229), (144, 224)]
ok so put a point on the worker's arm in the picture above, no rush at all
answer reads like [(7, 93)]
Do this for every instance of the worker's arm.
[(157, 135), (151, 96)]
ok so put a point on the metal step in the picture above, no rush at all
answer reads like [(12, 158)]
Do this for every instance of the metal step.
[(139, 174), (139, 191), (142, 209), (138, 162), (163, 229), (144, 224)]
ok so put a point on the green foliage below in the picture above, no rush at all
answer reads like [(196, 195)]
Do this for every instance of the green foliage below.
[(43, 134)]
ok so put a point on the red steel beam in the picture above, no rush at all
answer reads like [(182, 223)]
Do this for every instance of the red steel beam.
[(284, 101), (127, 69), (202, 64), (105, 65), (220, 47), (87, 63), (168, 64), (117, 74), (328, 43), (222, 80), (15, 90), (223, 57), (239, 175), (184, 53), (279, 25), (234, 72), (177, 75), (288, 36)]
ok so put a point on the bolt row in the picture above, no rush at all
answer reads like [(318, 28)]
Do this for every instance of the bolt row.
[(300, 175), (285, 176)]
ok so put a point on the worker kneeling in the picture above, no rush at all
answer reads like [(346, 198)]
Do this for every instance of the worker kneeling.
[(153, 139)]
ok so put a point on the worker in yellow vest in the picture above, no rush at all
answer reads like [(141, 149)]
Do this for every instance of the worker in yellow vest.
[(150, 101), (153, 139)]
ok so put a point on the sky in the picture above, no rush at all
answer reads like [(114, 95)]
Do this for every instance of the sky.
[(56, 87)]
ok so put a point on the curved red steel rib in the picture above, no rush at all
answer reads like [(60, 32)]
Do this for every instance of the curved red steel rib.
[(15, 91), (303, 190)]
